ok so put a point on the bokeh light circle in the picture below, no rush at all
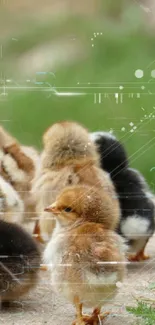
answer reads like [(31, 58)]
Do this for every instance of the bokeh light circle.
[(139, 73), (153, 73)]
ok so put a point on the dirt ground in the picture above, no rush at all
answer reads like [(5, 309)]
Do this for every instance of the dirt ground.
[(41, 306)]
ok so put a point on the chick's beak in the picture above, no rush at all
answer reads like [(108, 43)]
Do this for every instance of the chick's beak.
[(52, 208)]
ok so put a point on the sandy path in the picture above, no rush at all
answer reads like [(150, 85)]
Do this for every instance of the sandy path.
[(43, 307)]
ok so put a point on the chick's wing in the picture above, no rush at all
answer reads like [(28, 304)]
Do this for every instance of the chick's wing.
[(97, 248)]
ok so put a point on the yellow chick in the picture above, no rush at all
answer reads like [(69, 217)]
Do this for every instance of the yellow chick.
[(85, 256), (69, 158)]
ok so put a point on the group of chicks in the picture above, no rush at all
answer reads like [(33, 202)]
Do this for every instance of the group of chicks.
[(91, 214)]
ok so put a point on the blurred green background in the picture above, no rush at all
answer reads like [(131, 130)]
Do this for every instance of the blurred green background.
[(85, 44)]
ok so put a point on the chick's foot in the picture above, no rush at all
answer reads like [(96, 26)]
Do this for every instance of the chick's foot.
[(93, 319), (98, 317), (139, 257)]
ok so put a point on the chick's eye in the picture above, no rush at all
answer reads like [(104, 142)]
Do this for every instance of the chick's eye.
[(68, 209)]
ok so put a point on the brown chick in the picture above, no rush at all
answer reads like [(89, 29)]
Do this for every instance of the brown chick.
[(69, 158), (17, 167), (85, 255), (11, 205)]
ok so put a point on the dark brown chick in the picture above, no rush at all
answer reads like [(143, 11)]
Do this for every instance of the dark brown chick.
[(85, 255), (19, 262)]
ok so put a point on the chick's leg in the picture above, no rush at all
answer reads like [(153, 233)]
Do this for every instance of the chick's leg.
[(140, 256), (43, 268), (36, 232), (79, 316)]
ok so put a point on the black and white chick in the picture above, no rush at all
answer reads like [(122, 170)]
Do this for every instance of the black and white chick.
[(137, 223), (19, 262)]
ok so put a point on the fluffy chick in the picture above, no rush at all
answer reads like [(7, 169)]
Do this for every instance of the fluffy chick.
[(113, 156), (85, 255), (17, 166), (32, 153), (138, 212), (11, 205), (69, 158), (19, 262), (137, 223)]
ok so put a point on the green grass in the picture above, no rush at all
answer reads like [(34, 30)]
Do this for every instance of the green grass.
[(124, 47), (144, 311)]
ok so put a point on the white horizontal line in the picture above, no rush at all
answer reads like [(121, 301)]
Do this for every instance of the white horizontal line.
[(113, 263), (57, 264), (51, 88)]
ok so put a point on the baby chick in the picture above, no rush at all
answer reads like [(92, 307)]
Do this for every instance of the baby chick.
[(32, 153), (138, 212), (18, 166), (113, 156), (137, 223), (19, 262), (11, 205), (69, 158), (85, 255)]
